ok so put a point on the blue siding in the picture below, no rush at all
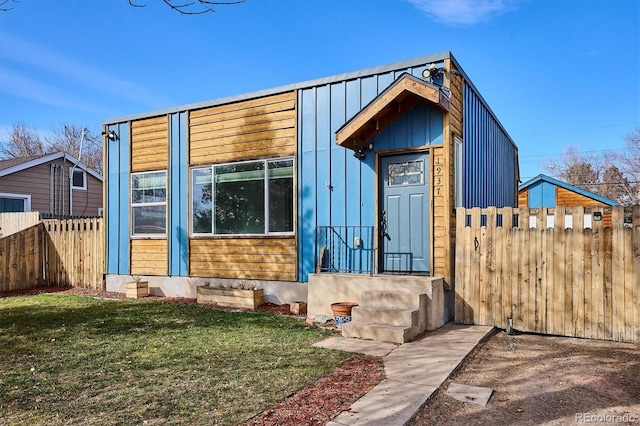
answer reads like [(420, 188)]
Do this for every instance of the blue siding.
[(542, 194), (335, 188), (178, 190), (490, 170), (117, 200)]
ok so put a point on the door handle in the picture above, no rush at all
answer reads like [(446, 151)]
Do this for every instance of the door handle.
[(383, 226)]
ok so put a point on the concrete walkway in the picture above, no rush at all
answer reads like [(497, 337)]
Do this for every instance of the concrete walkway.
[(413, 372)]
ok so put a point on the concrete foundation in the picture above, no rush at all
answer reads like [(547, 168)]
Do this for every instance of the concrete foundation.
[(278, 292)]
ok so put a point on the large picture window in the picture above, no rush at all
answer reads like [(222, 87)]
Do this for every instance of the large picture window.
[(249, 198), (149, 203)]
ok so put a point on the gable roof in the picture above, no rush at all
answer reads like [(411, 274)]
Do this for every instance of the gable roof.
[(394, 101), (13, 165), (561, 184)]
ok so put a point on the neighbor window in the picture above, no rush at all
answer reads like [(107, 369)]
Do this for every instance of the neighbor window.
[(149, 203), (15, 203), (79, 179), (249, 198)]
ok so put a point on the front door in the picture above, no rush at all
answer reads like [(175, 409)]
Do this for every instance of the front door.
[(404, 213)]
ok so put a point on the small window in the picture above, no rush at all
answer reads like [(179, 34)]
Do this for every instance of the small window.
[(407, 173), (249, 198), (79, 179), (10, 203), (149, 203)]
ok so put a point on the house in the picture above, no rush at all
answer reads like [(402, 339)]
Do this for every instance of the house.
[(314, 190), (56, 184), (545, 191)]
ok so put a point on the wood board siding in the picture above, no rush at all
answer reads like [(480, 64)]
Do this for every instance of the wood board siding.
[(440, 217), (150, 144), (149, 152), (252, 129), (149, 257), (567, 198), (523, 198), (244, 258)]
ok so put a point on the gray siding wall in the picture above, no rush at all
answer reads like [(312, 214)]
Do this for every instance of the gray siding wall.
[(36, 181)]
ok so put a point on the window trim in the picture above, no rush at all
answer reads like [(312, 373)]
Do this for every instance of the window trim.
[(133, 205), (266, 162), (73, 170), (458, 161), (25, 197)]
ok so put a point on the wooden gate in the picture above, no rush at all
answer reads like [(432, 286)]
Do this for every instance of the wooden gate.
[(555, 271)]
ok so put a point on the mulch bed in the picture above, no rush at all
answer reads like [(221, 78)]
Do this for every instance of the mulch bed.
[(315, 404)]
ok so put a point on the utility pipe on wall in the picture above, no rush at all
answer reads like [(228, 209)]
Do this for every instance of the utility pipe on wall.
[(71, 170)]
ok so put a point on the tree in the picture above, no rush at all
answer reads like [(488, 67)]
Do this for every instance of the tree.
[(23, 142), (629, 162), (614, 175), (26, 142), (195, 7)]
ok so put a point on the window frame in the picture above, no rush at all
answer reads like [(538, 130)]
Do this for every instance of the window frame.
[(458, 161), (267, 233), (25, 197), (133, 205), (72, 171)]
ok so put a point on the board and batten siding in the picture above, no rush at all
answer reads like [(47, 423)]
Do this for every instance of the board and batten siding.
[(334, 188), (149, 152), (253, 129)]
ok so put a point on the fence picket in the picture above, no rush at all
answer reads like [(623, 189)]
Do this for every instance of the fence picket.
[(564, 280), (55, 252)]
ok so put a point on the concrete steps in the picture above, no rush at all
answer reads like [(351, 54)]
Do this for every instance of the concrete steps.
[(388, 316)]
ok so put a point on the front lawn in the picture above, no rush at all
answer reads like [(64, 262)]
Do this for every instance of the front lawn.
[(80, 360)]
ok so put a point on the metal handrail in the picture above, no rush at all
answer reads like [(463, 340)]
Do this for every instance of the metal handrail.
[(345, 249)]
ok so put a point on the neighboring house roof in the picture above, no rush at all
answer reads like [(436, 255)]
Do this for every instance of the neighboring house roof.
[(568, 187), (13, 165)]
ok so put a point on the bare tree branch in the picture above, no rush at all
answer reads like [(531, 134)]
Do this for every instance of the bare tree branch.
[(205, 6), (200, 6), (4, 3)]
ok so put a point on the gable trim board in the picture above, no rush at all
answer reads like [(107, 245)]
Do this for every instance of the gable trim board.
[(387, 107), (45, 159), (313, 122)]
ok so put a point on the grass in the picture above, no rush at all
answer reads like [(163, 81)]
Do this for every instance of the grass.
[(76, 359)]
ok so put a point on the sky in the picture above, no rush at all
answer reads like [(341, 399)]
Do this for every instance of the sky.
[(556, 73)]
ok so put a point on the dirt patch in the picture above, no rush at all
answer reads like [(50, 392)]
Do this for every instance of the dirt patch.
[(544, 380)]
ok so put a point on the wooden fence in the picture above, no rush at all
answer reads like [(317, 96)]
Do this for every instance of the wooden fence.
[(547, 277), (63, 253), (10, 223)]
